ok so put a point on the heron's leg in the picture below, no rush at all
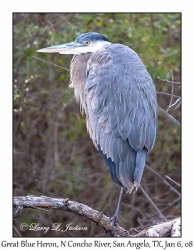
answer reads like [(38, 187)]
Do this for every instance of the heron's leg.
[(114, 218)]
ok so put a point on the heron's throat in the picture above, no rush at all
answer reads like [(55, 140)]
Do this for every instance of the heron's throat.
[(78, 77)]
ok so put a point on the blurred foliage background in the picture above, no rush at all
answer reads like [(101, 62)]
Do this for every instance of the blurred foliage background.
[(53, 154)]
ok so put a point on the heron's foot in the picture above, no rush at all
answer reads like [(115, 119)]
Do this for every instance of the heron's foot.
[(113, 221)]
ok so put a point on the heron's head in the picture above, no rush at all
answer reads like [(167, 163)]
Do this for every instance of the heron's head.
[(84, 43)]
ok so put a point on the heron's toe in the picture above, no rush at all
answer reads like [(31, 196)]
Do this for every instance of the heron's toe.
[(113, 221)]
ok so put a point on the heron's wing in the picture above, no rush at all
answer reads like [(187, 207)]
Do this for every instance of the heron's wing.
[(121, 109)]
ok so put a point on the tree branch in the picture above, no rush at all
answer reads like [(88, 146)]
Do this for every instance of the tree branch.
[(169, 116), (172, 227), (176, 103), (46, 203), (164, 80)]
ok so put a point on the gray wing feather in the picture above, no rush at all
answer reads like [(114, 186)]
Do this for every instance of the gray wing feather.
[(140, 163), (121, 106)]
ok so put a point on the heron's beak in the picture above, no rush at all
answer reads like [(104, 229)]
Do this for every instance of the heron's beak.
[(68, 48)]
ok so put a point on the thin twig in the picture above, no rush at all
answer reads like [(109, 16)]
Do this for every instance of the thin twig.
[(171, 99), (50, 63), (178, 105), (169, 116), (177, 101), (164, 80), (164, 93), (173, 180), (17, 231), (165, 182), (171, 104), (171, 204), (153, 204)]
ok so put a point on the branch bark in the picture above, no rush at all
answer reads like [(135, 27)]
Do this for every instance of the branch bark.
[(172, 228), (45, 203)]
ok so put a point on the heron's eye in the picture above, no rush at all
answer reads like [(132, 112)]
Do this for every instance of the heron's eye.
[(86, 42)]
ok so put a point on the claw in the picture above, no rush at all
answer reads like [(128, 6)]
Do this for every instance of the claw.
[(113, 221)]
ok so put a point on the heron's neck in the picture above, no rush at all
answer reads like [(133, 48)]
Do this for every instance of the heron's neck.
[(78, 77)]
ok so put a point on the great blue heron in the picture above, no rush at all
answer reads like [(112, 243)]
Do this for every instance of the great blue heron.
[(119, 99)]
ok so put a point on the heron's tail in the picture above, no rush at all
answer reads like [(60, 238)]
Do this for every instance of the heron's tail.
[(140, 164), (128, 173)]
